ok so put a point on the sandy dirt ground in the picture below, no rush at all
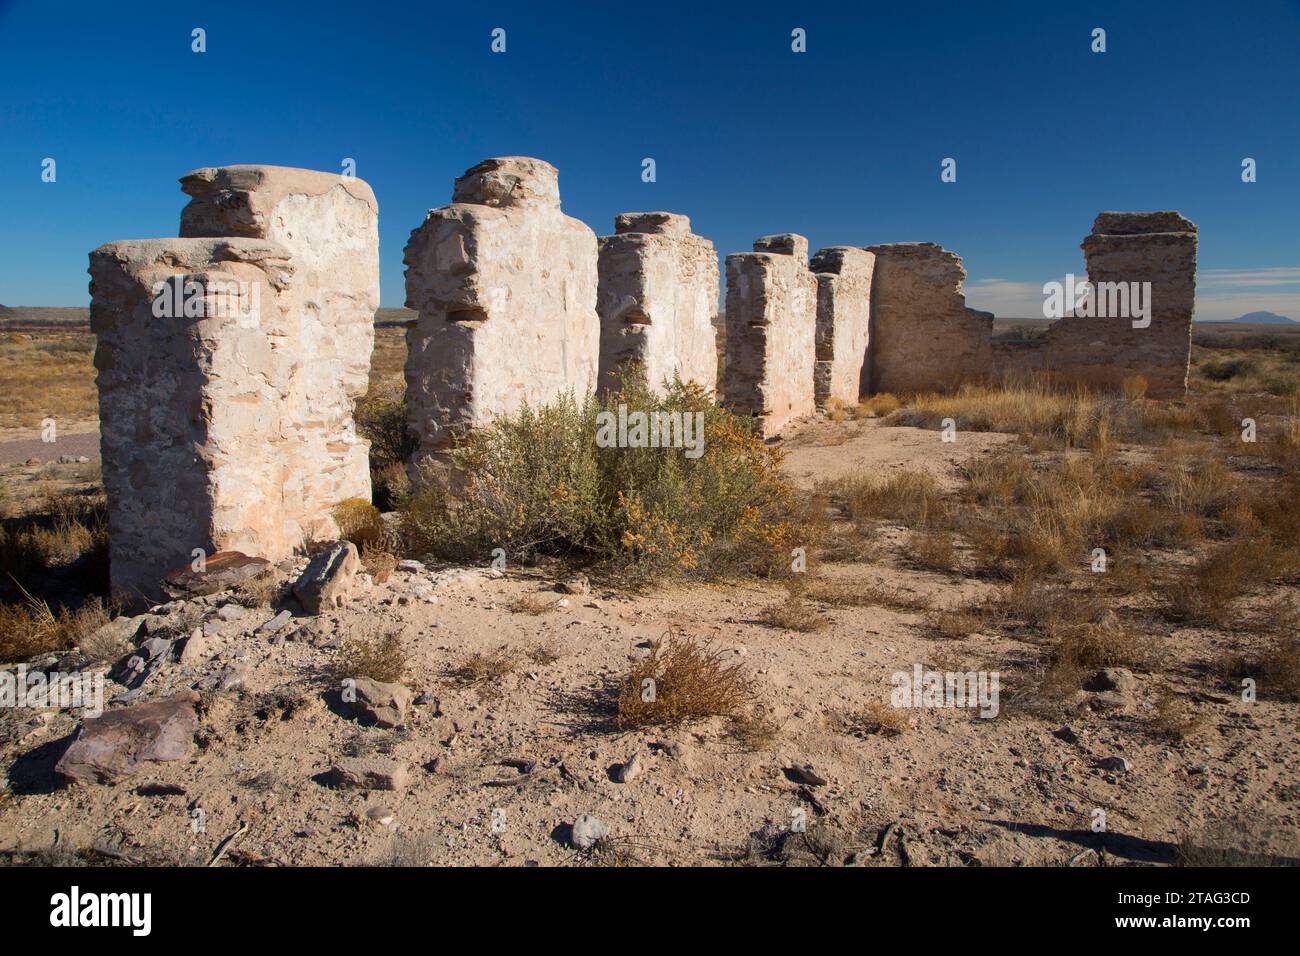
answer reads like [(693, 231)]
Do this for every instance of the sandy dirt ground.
[(951, 789)]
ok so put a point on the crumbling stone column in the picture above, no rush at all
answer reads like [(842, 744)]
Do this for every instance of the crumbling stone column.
[(922, 335), (843, 313), (192, 432), (330, 225), (229, 360), (771, 332), (658, 291), (1126, 248), (505, 286)]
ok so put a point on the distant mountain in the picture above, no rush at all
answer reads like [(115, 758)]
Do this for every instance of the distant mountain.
[(5, 310), (1262, 318)]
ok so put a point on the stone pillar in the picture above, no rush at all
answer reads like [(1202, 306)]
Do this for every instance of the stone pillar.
[(330, 225), (771, 332), (505, 287), (229, 360), (193, 432), (657, 295), (1125, 248), (843, 313), (922, 335)]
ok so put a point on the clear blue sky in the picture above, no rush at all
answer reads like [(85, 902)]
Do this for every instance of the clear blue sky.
[(842, 143)]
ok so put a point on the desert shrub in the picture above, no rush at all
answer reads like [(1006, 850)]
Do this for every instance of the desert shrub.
[(1275, 666), (537, 482), (909, 497), (1174, 719), (1093, 646), (262, 590), (1206, 592), (755, 730), (30, 627), (486, 668), (682, 679), (532, 604), (843, 593), (380, 416), (953, 625), (378, 563), (932, 550), (793, 614), (1223, 369), (358, 522), (877, 406), (381, 658)]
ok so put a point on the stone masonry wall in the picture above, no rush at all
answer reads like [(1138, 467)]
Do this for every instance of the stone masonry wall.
[(658, 291), (228, 361), (192, 434), (330, 225), (922, 335), (843, 313), (1127, 247), (771, 332), (505, 287)]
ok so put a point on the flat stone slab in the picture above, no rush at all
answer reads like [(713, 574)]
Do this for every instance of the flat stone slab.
[(113, 746)]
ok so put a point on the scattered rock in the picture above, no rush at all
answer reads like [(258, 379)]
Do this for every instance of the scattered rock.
[(1112, 679), (381, 815), (275, 623), (805, 774), (578, 584), (119, 632), (587, 831), (329, 577), (231, 612), (111, 747), (197, 648), (630, 770), (368, 773), (376, 702), (1113, 764), (412, 567), (1067, 734), (221, 571)]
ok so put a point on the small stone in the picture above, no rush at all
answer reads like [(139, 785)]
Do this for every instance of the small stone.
[(578, 584), (231, 612), (328, 578), (1067, 734), (805, 774), (275, 623), (376, 702), (381, 815), (1114, 764), (630, 770), (1116, 679), (220, 571), (411, 567), (587, 831), (368, 773)]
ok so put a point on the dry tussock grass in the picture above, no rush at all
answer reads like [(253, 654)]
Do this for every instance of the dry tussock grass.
[(532, 604), (910, 497), (755, 730), (489, 668), (683, 679), (841, 593), (31, 627), (381, 658), (793, 614)]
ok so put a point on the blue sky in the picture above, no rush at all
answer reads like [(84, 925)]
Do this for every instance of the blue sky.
[(842, 143)]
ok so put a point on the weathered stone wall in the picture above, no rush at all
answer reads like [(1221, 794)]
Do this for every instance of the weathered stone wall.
[(922, 335), (192, 432), (843, 313), (229, 360), (505, 287), (771, 332), (1127, 247), (330, 225), (658, 292)]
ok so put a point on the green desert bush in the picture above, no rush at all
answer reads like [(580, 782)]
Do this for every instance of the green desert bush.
[(539, 482)]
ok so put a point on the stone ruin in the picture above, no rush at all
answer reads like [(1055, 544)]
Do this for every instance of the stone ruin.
[(657, 295), (505, 287), (922, 335), (771, 332), (229, 359), (841, 373), (228, 362), (1124, 248)]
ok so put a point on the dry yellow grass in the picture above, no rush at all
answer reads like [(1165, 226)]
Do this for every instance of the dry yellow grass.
[(380, 658), (48, 373), (683, 679)]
